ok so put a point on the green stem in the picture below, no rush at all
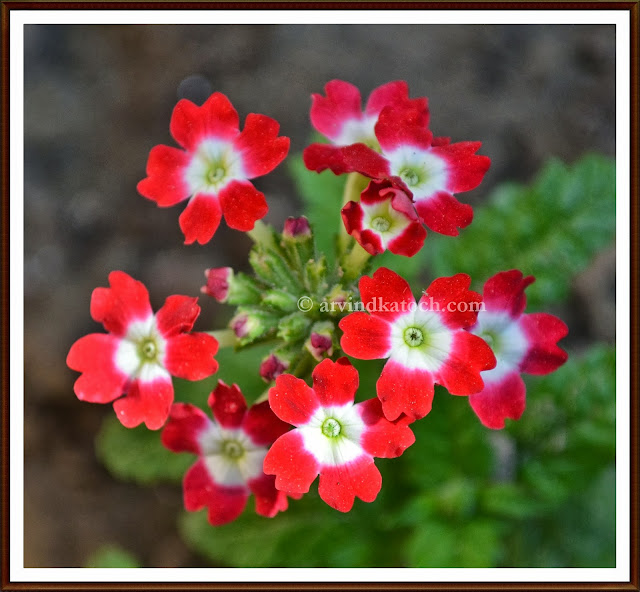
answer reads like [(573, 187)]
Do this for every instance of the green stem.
[(354, 262), (225, 337), (352, 190)]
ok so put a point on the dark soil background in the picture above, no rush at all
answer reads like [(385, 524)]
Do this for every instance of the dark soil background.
[(97, 98)]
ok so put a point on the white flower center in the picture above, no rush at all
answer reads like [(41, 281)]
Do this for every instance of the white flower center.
[(230, 456), (424, 173), (381, 224), (420, 340), (213, 165), (141, 351), (359, 131), (507, 340), (333, 434)]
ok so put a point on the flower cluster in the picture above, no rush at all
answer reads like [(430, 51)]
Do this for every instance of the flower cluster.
[(400, 178)]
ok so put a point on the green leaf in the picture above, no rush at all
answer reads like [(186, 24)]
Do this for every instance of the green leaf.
[(322, 197), (112, 556), (552, 229), (136, 454)]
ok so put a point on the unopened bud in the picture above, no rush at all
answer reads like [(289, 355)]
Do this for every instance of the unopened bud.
[(272, 366), (320, 343), (293, 327), (252, 324), (296, 228), (218, 279)]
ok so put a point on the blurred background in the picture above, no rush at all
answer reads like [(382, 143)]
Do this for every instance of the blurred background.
[(97, 98)]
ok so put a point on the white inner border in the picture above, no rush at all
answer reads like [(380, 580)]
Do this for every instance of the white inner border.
[(19, 18)]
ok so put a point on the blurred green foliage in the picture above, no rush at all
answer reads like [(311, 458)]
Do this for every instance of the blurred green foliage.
[(540, 493), (112, 556)]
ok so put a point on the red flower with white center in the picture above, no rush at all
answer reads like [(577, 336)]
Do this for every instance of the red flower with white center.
[(384, 218), (214, 169), (340, 118), (521, 343), (430, 169), (425, 343), (140, 352), (333, 437), (230, 452)]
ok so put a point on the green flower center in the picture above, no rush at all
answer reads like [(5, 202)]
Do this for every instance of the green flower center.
[(413, 336), (381, 224), (148, 350), (232, 449), (492, 339), (216, 173), (410, 176), (331, 427)]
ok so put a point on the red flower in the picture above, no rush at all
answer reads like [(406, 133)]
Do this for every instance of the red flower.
[(333, 437), (384, 218), (214, 169), (340, 118), (425, 343), (521, 343), (430, 169), (140, 353), (230, 452)]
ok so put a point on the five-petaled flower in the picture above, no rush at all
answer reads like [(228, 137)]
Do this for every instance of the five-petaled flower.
[(425, 343), (333, 437), (521, 343), (140, 352), (215, 166), (430, 169), (230, 452), (340, 118), (384, 218)]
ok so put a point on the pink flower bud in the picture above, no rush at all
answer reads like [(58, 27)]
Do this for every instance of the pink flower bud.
[(218, 280), (272, 367), (296, 227)]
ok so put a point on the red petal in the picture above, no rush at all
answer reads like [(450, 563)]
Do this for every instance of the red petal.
[(216, 118), (147, 402), (165, 182), (262, 425), (505, 292), (225, 503), (340, 485), (386, 294), (410, 241), (335, 383), (443, 213), (127, 300), (403, 390), (292, 400), (269, 501), (469, 355), (181, 433), (465, 168), (500, 400), (242, 204), (200, 218), (352, 214), (177, 315), (544, 331), (381, 437), (394, 94), (101, 381), (403, 125), (364, 160), (330, 113), (295, 468), (365, 337), (228, 405), (190, 356), (319, 157), (262, 150), (456, 305), (369, 241)]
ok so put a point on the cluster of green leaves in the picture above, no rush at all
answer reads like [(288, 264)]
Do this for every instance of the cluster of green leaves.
[(462, 495)]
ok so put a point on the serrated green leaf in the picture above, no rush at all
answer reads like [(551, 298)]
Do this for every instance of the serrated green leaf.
[(551, 230), (136, 454)]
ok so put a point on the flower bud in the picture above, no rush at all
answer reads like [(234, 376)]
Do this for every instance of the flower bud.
[(250, 324), (218, 279), (234, 288), (272, 366), (320, 343), (296, 228), (280, 300)]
